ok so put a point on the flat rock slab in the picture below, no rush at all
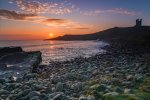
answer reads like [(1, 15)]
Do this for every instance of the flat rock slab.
[(19, 62), (10, 49)]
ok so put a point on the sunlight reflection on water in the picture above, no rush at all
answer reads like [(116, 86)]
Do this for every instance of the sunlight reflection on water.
[(59, 50)]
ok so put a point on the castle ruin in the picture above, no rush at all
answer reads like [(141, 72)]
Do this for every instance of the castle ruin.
[(138, 23)]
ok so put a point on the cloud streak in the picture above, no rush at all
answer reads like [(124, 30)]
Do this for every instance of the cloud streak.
[(114, 11), (55, 22), (83, 28), (14, 15)]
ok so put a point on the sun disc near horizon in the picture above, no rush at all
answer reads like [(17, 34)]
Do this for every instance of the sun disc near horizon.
[(51, 35)]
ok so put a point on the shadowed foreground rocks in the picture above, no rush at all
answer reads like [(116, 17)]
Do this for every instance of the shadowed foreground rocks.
[(14, 61), (119, 74), (122, 73)]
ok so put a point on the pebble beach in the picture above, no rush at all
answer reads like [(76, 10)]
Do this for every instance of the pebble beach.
[(119, 74)]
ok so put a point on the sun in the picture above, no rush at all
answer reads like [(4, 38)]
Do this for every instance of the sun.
[(51, 35)]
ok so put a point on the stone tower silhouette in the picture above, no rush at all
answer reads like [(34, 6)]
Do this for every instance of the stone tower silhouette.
[(138, 22)]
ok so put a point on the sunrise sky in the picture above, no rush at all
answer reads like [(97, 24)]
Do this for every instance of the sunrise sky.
[(41, 19)]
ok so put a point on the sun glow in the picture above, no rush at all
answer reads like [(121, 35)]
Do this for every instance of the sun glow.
[(51, 35)]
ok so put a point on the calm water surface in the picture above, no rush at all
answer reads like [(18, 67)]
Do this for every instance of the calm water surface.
[(59, 50)]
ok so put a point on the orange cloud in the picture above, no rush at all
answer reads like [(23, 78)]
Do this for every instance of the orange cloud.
[(55, 22), (82, 28), (6, 14)]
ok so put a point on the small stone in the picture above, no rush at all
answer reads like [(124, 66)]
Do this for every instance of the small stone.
[(2, 81), (44, 96), (4, 92), (1, 86), (146, 89), (126, 90), (76, 87), (111, 94), (38, 87), (35, 98), (83, 98), (107, 72), (22, 98), (90, 97), (13, 78), (118, 89), (33, 93), (99, 87), (70, 76), (95, 72), (12, 86), (29, 76), (19, 79), (147, 74), (22, 93), (60, 97), (59, 86), (129, 77)]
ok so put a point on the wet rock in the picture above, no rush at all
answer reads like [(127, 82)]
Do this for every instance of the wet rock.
[(60, 97), (147, 74), (129, 77), (2, 81), (4, 92), (77, 87), (35, 98), (111, 94), (99, 87), (115, 81), (22, 93), (23, 98), (12, 86), (47, 90), (59, 86), (70, 76), (33, 94), (118, 89), (1, 86), (19, 79), (90, 97), (44, 96), (3, 66), (29, 76), (12, 78), (19, 63), (127, 91), (146, 89), (83, 98), (37, 87), (95, 72)]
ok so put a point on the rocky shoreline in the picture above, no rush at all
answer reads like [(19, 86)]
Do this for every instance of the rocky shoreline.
[(122, 73)]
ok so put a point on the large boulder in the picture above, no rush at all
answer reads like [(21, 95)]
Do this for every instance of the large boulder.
[(18, 63), (10, 49)]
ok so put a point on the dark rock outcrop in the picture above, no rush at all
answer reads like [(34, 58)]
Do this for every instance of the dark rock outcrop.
[(10, 49), (18, 62)]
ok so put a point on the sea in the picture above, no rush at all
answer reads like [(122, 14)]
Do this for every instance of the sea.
[(59, 50)]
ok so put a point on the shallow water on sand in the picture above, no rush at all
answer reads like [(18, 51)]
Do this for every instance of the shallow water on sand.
[(59, 50)]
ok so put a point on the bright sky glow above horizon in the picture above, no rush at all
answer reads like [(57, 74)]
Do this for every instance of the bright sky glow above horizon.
[(37, 19)]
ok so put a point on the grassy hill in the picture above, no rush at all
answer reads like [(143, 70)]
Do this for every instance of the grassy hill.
[(117, 33)]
